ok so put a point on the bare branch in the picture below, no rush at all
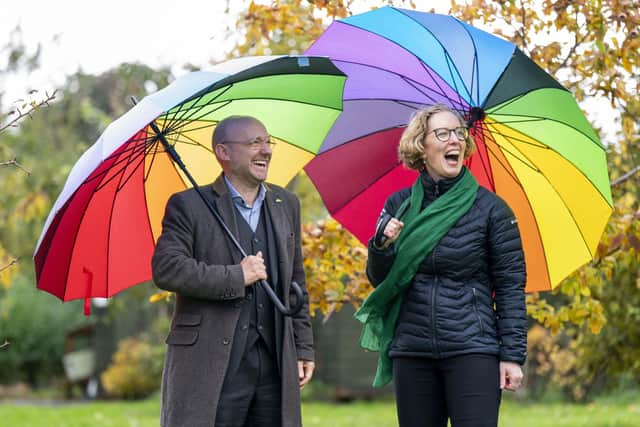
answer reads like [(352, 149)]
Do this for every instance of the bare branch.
[(13, 261), (625, 177), (14, 162), (564, 62), (21, 113)]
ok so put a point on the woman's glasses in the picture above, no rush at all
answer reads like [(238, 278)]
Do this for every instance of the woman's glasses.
[(443, 134)]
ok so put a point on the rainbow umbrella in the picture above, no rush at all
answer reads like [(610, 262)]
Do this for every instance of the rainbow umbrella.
[(535, 147), (101, 232)]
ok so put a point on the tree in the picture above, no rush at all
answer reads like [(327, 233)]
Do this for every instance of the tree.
[(49, 143), (19, 59), (592, 49)]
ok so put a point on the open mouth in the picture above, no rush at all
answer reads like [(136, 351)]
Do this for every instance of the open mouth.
[(452, 157), (260, 163)]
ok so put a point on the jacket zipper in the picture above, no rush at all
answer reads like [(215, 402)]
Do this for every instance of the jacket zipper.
[(433, 305), (475, 309)]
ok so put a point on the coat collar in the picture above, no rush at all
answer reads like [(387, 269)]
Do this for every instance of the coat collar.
[(433, 189)]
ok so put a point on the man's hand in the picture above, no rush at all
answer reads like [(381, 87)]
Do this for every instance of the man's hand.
[(305, 372), (253, 268), (511, 376)]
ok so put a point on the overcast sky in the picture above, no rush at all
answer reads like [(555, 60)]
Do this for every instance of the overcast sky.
[(96, 36)]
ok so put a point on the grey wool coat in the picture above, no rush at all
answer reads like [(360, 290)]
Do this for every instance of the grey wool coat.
[(196, 260)]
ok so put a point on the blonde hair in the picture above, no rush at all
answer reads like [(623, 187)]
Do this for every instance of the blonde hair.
[(411, 147)]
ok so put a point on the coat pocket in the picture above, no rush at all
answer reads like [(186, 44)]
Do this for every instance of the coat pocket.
[(184, 330), (182, 337)]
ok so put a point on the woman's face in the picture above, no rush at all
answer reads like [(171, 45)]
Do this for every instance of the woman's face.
[(444, 145)]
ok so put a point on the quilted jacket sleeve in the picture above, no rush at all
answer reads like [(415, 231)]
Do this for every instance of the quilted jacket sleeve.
[(508, 274)]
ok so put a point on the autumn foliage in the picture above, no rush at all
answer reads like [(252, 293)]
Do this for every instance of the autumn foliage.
[(335, 263)]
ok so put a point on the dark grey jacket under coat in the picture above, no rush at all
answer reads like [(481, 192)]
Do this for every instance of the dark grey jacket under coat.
[(196, 260), (468, 294)]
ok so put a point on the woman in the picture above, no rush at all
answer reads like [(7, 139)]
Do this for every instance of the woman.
[(448, 313)]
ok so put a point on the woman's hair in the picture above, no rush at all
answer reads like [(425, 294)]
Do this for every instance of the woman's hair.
[(411, 147)]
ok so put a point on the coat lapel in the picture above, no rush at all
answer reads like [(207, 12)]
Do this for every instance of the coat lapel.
[(224, 205), (281, 230)]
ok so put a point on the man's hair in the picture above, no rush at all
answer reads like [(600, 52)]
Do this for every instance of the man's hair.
[(411, 146)]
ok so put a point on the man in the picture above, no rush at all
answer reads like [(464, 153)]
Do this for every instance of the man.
[(232, 358)]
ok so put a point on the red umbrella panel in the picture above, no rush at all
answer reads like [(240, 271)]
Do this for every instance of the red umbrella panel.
[(101, 232), (535, 147)]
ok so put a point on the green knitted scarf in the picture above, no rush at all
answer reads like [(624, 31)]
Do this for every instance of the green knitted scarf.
[(421, 232)]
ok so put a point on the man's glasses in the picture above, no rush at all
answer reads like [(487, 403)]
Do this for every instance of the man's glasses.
[(443, 134), (254, 145)]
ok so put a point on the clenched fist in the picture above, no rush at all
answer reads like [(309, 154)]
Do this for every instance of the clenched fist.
[(253, 268)]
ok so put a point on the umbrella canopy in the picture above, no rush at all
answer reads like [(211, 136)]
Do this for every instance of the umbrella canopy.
[(535, 147), (101, 232)]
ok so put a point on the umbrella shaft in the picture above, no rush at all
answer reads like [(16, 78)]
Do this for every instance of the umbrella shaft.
[(268, 289)]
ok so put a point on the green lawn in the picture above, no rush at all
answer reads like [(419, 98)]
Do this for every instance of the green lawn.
[(622, 411)]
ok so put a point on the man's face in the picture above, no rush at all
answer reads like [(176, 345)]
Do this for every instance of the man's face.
[(246, 153)]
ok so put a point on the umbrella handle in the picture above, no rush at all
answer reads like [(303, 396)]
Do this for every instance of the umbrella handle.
[(272, 295), (297, 290)]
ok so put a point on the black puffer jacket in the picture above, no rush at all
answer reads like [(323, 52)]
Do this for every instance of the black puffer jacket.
[(468, 293)]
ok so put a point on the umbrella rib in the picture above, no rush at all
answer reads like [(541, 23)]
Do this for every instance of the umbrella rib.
[(459, 102), (188, 112), (539, 118), (152, 151), (455, 84), (121, 159), (118, 154), (509, 171), (485, 162), (457, 72), (550, 183), (410, 80), (77, 230), (546, 147), (475, 74)]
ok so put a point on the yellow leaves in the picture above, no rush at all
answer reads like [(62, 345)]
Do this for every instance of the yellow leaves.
[(135, 370), (334, 263), (165, 296), (629, 126), (8, 269)]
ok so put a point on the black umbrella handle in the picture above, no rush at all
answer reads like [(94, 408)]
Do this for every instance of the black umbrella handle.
[(268, 289)]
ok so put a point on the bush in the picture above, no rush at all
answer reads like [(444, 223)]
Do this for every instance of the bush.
[(35, 324), (136, 369)]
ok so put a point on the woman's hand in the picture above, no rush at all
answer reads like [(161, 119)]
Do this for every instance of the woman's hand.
[(511, 376), (392, 231)]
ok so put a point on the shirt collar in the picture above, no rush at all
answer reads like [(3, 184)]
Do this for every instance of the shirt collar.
[(237, 197)]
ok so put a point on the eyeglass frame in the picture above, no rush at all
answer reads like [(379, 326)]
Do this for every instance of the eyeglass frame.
[(254, 145), (451, 131)]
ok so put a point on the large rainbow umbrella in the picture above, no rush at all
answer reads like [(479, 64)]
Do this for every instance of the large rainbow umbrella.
[(535, 147), (101, 232)]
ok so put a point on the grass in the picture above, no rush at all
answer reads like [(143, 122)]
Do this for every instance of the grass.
[(614, 411)]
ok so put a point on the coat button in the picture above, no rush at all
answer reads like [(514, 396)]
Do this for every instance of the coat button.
[(225, 341)]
